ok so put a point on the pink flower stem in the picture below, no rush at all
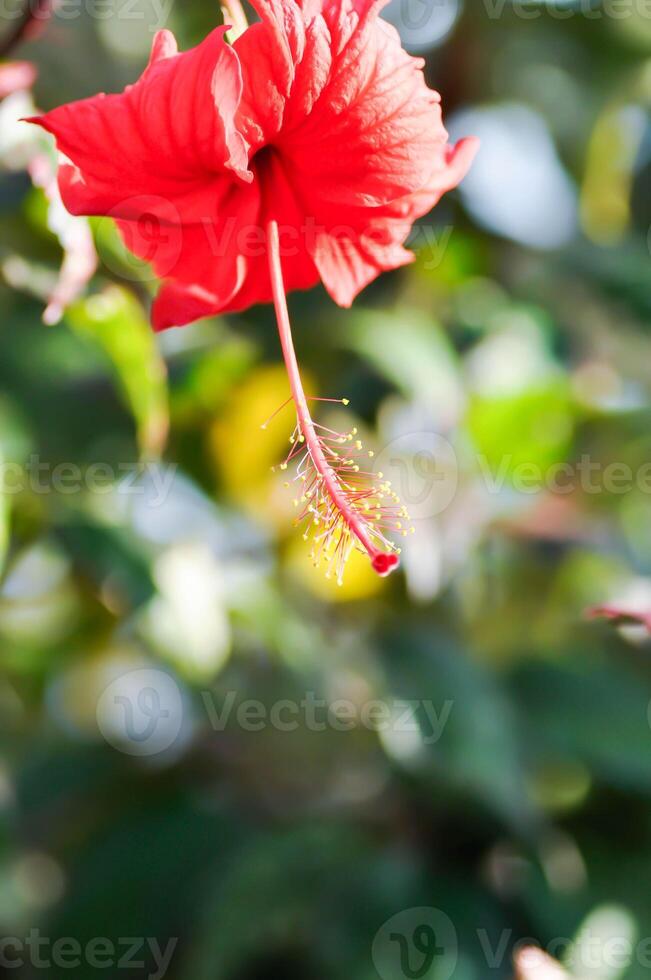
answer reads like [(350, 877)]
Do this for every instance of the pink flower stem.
[(306, 425)]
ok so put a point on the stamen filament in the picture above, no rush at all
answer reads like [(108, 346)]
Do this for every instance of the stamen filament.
[(334, 507)]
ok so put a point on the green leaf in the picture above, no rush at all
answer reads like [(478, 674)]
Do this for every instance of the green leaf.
[(530, 428), (115, 320), (411, 351)]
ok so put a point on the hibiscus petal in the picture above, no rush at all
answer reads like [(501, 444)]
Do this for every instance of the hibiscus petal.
[(220, 265), (371, 241), (168, 135), (205, 253), (348, 263), (178, 304), (357, 133), (343, 101)]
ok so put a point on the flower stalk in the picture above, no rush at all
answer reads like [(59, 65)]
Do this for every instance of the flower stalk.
[(342, 505)]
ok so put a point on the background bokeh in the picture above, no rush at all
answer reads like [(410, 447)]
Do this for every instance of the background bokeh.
[(159, 591)]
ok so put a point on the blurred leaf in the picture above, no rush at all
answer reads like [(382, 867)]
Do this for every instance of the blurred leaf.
[(468, 733), (409, 350), (531, 429), (574, 711), (115, 320), (608, 181), (603, 946), (266, 901), (111, 559), (4, 515)]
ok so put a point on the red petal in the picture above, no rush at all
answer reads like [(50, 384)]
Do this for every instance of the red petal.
[(178, 304), (268, 53), (621, 616), (348, 262), (371, 241), (357, 132), (226, 257), (167, 135)]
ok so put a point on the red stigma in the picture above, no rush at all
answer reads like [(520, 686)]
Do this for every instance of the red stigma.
[(385, 562)]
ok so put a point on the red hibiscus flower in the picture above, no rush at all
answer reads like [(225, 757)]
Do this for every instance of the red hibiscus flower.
[(303, 152)]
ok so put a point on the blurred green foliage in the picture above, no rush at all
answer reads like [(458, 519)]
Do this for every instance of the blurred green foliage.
[(271, 852)]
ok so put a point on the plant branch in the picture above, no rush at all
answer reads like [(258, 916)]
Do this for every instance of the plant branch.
[(35, 10)]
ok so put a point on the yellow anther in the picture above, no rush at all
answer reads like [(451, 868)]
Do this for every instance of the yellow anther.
[(283, 466), (345, 401)]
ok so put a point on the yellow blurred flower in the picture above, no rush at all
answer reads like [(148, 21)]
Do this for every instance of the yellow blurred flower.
[(360, 581), (244, 453)]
